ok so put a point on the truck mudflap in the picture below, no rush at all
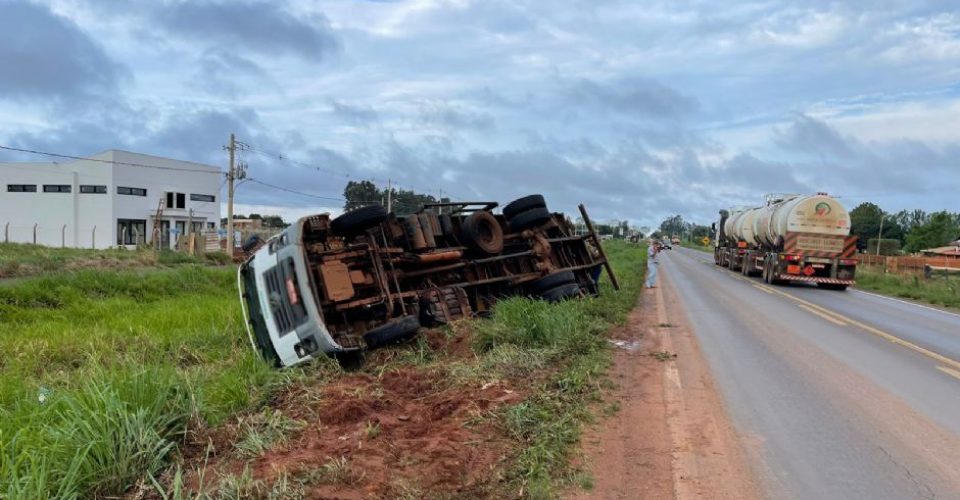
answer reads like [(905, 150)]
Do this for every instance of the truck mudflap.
[(815, 279)]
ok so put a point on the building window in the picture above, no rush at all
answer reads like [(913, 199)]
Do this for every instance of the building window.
[(202, 197), (211, 225), (56, 188), (131, 191), (176, 200), (93, 189), (21, 188), (131, 231)]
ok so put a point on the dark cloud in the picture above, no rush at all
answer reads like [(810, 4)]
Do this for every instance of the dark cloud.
[(357, 115), (453, 117), (637, 96), (47, 56), (222, 72), (263, 27), (812, 136)]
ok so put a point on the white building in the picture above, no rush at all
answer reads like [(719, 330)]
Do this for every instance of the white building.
[(107, 200)]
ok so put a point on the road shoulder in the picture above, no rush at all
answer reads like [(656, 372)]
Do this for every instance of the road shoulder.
[(669, 436)]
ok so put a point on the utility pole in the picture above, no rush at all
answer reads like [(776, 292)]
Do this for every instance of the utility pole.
[(880, 233), (231, 175), (389, 195)]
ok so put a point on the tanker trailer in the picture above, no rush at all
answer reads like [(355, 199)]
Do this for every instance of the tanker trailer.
[(737, 239), (796, 238)]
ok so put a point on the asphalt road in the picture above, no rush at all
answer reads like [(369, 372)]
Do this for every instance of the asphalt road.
[(834, 395)]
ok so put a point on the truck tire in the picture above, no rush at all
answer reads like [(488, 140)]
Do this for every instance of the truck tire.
[(562, 292), (358, 220), (482, 231), (395, 331), (552, 281), (530, 218), (523, 204)]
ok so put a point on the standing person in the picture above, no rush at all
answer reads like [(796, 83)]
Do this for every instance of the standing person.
[(652, 251)]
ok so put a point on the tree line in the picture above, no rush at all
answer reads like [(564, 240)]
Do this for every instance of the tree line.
[(906, 231), (358, 194)]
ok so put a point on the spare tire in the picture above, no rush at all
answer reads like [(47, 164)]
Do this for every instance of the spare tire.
[(561, 292), (482, 231), (523, 204), (552, 281), (395, 331), (359, 220), (531, 218)]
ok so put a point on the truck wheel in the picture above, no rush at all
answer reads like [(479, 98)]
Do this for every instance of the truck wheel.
[(395, 331), (523, 204), (552, 281), (358, 220), (482, 231), (530, 218), (561, 292)]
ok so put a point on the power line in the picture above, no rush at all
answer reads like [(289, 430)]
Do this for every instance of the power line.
[(112, 162)]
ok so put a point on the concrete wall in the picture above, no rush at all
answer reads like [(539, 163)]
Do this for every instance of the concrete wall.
[(66, 219)]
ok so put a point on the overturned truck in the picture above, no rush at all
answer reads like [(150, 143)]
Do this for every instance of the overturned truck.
[(369, 278)]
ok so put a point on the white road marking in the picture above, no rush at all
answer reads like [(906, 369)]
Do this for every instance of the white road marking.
[(951, 313)]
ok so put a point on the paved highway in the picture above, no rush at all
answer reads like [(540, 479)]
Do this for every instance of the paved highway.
[(834, 395)]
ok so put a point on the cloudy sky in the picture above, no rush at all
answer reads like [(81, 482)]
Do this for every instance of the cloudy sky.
[(638, 109)]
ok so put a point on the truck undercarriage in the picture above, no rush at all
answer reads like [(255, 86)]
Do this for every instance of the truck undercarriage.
[(369, 278)]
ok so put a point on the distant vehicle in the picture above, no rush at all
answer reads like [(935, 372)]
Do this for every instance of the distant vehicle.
[(369, 278), (791, 238), (666, 245), (675, 240)]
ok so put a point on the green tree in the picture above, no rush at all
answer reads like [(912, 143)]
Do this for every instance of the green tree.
[(940, 229), (865, 223), (359, 194), (274, 221), (672, 226)]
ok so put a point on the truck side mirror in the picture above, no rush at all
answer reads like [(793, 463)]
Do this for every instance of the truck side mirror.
[(713, 226)]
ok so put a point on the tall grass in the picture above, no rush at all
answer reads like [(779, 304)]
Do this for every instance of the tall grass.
[(940, 290), (567, 337), (22, 259), (103, 371)]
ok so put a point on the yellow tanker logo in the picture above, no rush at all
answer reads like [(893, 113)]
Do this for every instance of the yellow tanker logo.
[(822, 209)]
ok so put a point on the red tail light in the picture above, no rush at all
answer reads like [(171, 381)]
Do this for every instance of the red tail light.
[(793, 258)]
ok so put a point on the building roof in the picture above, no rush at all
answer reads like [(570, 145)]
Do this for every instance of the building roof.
[(953, 251)]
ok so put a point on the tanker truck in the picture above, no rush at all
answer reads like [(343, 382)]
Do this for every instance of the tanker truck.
[(791, 238)]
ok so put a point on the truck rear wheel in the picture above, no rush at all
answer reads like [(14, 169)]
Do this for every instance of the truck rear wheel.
[(523, 204), (530, 218), (552, 281), (562, 292), (358, 220), (482, 231)]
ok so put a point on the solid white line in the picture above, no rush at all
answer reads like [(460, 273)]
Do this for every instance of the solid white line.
[(951, 313)]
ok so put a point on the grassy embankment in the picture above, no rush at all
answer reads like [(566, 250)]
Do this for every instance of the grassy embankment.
[(938, 290), (105, 372), (20, 259), (697, 246)]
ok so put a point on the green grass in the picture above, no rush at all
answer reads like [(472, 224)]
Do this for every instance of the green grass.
[(697, 246), (104, 371), (938, 290), (568, 340), (20, 259)]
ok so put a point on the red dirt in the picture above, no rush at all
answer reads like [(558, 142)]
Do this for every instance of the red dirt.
[(429, 436), (671, 437)]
